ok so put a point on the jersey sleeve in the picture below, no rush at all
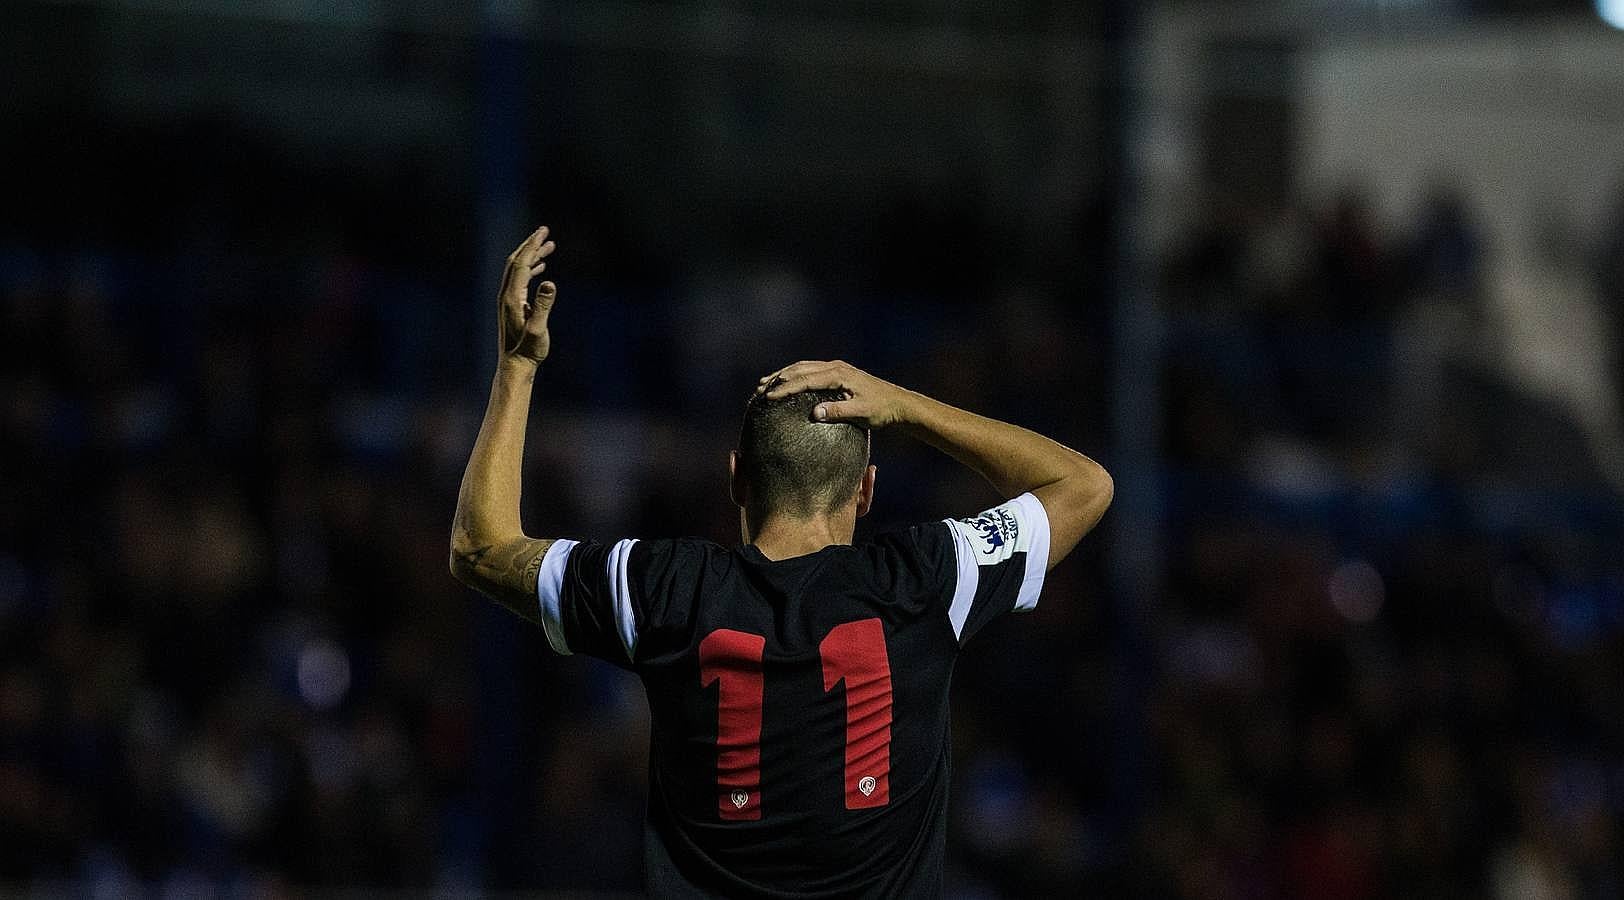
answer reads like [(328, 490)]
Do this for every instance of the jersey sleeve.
[(1000, 557), (596, 598)]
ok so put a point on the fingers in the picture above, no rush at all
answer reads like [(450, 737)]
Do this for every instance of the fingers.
[(841, 411), (528, 256), (534, 260), (809, 375), (546, 293), (527, 250), (812, 381), (522, 259), (525, 263), (796, 368), (857, 400)]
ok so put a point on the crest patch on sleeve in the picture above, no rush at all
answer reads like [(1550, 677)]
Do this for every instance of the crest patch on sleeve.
[(996, 534)]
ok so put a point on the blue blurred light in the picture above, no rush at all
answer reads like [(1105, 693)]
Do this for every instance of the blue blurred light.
[(1611, 12)]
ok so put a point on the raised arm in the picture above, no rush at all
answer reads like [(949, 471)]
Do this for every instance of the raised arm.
[(489, 550), (1073, 489)]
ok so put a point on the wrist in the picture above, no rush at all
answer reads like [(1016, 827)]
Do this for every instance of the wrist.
[(910, 409), (518, 364), (517, 368)]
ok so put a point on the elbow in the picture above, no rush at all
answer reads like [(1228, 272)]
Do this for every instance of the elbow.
[(465, 568), (1093, 490), (1104, 487), (459, 566), (463, 558)]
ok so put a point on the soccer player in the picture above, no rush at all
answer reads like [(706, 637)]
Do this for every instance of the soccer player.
[(797, 684)]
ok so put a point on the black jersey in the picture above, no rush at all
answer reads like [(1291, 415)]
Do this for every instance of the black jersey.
[(799, 708)]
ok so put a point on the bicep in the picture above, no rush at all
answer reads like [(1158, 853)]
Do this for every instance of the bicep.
[(506, 572)]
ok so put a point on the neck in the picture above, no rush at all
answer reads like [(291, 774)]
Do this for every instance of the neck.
[(782, 537)]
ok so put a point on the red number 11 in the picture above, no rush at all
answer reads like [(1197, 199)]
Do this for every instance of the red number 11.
[(853, 653)]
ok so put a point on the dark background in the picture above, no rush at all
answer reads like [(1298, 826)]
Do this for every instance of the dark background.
[(1349, 631)]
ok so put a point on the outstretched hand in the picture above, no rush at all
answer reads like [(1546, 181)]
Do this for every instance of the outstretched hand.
[(522, 317), (870, 402)]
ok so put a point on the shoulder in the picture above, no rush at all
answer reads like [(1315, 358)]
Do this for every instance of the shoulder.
[(655, 556), (662, 565), (637, 567), (677, 548), (922, 537), (919, 553)]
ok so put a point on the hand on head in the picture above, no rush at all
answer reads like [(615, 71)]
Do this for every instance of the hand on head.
[(869, 401)]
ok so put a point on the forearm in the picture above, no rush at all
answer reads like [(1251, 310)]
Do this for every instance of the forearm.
[(1014, 459), (1073, 489), (489, 550)]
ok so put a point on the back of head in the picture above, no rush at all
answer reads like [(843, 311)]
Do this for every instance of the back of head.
[(795, 466)]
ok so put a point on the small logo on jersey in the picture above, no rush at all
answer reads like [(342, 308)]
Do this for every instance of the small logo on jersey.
[(866, 785), (740, 798), (997, 527)]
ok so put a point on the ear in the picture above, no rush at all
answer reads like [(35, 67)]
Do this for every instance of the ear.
[(865, 490), (736, 488)]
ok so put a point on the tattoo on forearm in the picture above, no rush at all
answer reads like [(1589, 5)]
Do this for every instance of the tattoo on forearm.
[(532, 569), (507, 572)]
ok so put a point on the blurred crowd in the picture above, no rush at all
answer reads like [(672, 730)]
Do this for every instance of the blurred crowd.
[(1388, 644), (1382, 658)]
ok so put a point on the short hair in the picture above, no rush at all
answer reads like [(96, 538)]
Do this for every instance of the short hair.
[(795, 465)]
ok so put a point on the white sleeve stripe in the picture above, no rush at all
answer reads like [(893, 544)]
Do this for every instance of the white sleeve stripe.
[(549, 586), (964, 589), (1035, 517), (621, 592)]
